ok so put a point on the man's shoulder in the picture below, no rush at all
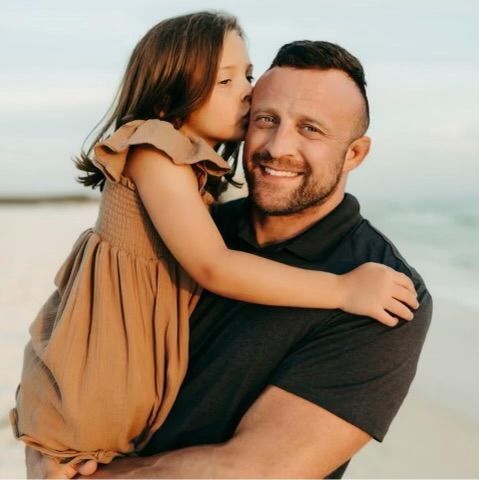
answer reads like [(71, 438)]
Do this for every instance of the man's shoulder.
[(375, 246)]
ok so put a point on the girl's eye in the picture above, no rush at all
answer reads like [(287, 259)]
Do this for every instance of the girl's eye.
[(250, 78), (225, 82)]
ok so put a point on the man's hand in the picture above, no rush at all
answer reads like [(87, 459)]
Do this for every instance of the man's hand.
[(41, 466)]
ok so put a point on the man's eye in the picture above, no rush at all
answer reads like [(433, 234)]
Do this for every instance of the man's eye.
[(310, 129), (225, 82), (264, 121)]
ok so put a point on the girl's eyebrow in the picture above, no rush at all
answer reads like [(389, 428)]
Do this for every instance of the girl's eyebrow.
[(249, 66)]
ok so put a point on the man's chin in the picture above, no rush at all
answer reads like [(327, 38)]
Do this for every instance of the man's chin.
[(270, 204), (271, 199), (270, 207)]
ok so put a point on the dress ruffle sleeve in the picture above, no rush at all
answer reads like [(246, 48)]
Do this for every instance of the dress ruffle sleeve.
[(111, 154)]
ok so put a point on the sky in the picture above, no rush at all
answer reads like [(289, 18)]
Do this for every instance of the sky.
[(61, 63)]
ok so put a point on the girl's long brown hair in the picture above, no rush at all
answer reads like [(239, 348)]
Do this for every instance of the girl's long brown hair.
[(170, 74)]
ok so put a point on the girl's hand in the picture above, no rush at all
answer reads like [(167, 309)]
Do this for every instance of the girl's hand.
[(379, 292), (41, 466)]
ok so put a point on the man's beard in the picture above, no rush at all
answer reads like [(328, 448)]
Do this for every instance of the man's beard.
[(310, 193)]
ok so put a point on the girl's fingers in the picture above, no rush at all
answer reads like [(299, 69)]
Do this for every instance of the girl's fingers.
[(405, 281), (386, 318), (405, 295), (399, 309)]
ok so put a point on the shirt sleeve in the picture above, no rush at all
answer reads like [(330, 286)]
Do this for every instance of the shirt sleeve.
[(357, 368)]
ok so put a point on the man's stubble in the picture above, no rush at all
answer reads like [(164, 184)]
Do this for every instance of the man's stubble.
[(312, 192)]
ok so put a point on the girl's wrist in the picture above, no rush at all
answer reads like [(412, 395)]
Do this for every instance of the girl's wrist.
[(339, 291)]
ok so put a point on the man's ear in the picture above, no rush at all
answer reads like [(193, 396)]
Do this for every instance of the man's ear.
[(356, 153)]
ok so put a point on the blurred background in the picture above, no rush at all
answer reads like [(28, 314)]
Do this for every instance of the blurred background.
[(60, 65)]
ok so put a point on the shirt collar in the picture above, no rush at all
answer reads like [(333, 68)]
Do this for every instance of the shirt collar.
[(317, 241)]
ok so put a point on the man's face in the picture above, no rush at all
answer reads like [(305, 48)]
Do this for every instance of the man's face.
[(302, 123)]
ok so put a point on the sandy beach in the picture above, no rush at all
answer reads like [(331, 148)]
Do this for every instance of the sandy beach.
[(435, 435)]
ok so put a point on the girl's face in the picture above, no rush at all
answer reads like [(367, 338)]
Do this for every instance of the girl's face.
[(224, 116)]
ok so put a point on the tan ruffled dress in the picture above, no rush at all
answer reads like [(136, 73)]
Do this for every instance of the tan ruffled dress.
[(109, 349)]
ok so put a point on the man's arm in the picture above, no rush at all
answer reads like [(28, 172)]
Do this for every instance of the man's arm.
[(285, 436), (281, 435)]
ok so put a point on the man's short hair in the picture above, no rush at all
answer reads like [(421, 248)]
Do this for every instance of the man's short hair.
[(307, 54)]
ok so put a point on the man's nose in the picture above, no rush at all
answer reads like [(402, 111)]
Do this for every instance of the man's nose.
[(281, 142)]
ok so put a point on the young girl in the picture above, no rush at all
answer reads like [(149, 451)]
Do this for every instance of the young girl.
[(109, 349)]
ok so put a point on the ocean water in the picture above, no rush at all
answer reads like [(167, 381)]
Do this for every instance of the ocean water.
[(439, 237)]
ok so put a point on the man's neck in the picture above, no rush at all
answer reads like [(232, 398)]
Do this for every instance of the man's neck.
[(276, 229)]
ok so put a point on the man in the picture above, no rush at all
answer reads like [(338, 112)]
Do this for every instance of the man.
[(288, 392)]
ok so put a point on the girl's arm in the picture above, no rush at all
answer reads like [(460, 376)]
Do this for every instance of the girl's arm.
[(170, 195)]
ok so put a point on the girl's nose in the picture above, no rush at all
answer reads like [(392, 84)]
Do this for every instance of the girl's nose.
[(247, 92)]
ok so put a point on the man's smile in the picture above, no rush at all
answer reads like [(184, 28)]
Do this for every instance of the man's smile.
[(278, 172)]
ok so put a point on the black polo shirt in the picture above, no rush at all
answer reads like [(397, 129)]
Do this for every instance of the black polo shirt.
[(353, 366)]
